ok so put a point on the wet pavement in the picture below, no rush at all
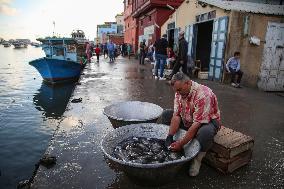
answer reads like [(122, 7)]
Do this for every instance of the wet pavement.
[(76, 143)]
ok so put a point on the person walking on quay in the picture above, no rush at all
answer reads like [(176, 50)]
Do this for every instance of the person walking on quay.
[(98, 51), (123, 49), (128, 50), (142, 49), (150, 52), (110, 49), (195, 110), (105, 50), (181, 56), (161, 46), (233, 66), (88, 50), (91, 50), (115, 51)]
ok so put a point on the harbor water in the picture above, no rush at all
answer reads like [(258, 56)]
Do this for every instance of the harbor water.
[(30, 111)]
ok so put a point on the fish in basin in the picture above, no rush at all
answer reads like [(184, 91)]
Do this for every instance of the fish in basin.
[(145, 151)]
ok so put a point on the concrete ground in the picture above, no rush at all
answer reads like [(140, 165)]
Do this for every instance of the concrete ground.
[(76, 143)]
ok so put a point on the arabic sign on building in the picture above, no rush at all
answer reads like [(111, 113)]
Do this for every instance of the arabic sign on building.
[(149, 30)]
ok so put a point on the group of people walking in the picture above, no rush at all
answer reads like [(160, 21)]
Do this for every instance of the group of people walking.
[(109, 50)]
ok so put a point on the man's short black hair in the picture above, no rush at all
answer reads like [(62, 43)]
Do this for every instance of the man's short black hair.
[(237, 53), (179, 76)]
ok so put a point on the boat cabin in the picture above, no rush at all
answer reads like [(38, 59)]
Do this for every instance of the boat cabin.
[(60, 48)]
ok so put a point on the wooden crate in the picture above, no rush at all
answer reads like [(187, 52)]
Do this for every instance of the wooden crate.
[(229, 143), (227, 165), (230, 151)]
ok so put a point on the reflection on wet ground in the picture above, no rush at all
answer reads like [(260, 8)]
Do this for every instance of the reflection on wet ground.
[(76, 144)]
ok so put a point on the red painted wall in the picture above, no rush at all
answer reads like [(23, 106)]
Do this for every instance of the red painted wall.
[(137, 14), (131, 28), (118, 40), (158, 17)]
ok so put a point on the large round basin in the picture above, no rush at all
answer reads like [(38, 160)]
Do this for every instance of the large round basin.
[(131, 112), (153, 174)]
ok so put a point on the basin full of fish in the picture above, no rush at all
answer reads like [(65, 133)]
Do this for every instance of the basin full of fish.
[(145, 151)]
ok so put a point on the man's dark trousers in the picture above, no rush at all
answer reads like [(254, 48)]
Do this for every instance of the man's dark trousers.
[(233, 75), (178, 65)]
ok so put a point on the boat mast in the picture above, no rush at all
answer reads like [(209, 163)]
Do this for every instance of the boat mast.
[(53, 28)]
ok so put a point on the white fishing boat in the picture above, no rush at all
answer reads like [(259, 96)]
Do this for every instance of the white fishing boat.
[(79, 36)]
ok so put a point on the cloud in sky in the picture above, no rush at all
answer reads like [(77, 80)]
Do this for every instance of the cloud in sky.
[(6, 8), (5, 1), (35, 18)]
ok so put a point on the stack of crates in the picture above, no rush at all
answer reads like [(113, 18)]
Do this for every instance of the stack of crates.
[(230, 151)]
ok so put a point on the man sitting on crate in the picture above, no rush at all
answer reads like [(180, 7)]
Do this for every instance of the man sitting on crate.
[(195, 110), (233, 66)]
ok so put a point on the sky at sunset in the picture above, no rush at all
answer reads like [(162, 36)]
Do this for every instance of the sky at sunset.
[(34, 18)]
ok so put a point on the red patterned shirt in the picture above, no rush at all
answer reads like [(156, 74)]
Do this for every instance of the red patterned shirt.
[(200, 106)]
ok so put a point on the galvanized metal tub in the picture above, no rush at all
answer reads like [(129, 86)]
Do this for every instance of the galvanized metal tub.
[(131, 112), (153, 174)]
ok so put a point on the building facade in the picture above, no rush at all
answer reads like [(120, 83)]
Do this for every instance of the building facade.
[(144, 18), (215, 29), (131, 26), (117, 39), (104, 29), (151, 15), (120, 23)]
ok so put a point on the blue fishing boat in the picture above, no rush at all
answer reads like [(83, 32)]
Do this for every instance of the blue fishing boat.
[(61, 63)]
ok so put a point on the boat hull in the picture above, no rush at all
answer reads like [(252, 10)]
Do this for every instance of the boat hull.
[(57, 71)]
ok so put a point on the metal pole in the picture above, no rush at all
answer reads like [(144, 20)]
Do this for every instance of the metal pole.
[(53, 28)]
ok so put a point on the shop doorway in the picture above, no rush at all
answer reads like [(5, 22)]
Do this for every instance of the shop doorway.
[(171, 37), (203, 44)]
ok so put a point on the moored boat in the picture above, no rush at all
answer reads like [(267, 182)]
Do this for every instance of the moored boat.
[(18, 45), (61, 63), (7, 44), (79, 36), (35, 44)]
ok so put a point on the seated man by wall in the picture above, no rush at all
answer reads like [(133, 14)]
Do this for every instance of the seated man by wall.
[(233, 66)]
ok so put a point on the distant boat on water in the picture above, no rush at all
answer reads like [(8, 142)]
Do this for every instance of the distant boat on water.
[(35, 44), (62, 62), (7, 44), (18, 45)]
